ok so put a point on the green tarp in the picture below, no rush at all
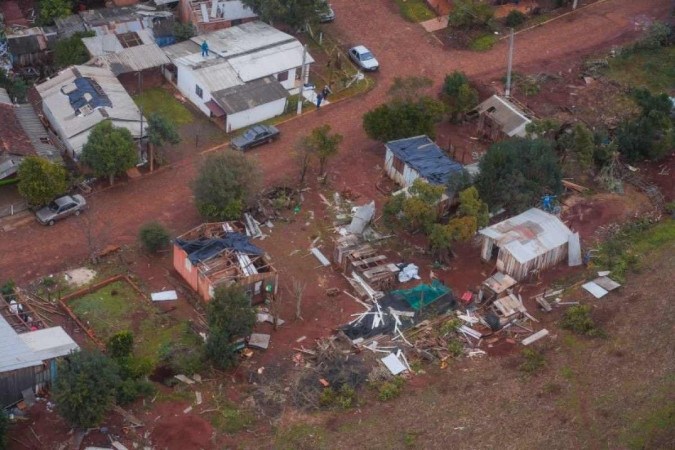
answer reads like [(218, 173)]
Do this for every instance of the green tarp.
[(422, 295)]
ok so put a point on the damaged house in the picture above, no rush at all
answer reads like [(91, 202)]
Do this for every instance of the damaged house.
[(240, 75), (527, 243), (213, 15), (500, 118), (220, 254)]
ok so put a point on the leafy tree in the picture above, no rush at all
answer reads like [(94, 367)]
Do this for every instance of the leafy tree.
[(658, 35), (584, 146), (72, 51), (153, 236), (467, 14), (515, 173), (161, 131), (470, 205), (16, 86), (650, 136), (40, 181), (323, 144), (225, 186), (183, 31), (402, 119), (458, 182), (120, 344), (295, 13), (109, 151), (230, 316), (458, 94), (514, 18), (85, 388), (420, 209), (53, 9)]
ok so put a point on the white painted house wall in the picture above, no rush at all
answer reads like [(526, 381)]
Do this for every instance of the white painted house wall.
[(404, 179), (290, 83), (56, 125), (255, 115), (186, 85)]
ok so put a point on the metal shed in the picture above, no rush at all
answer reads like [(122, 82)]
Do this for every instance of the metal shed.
[(499, 116), (18, 365), (529, 242), (418, 157)]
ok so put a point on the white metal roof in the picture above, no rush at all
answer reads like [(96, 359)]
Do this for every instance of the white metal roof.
[(49, 343), (269, 61), (14, 352), (110, 53), (512, 120), (529, 235), (239, 39), (76, 128)]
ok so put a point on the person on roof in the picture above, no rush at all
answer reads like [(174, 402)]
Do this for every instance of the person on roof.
[(205, 49)]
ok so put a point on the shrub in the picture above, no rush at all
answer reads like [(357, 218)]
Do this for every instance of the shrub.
[(483, 43), (514, 18), (390, 389), (456, 348), (468, 14), (344, 398), (154, 237), (120, 344), (533, 361), (658, 35), (450, 326), (131, 389), (578, 320)]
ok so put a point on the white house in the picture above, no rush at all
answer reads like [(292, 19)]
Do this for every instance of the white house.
[(238, 59), (79, 97)]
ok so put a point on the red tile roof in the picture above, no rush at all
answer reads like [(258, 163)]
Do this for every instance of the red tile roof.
[(13, 139)]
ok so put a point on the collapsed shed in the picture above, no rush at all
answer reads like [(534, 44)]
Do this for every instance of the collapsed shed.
[(221, 254), (527, 243), (500, 117)]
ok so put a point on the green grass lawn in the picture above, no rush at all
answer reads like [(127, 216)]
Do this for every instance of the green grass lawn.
[(117, 307), (160, 100), (415, 10), (651, 69)]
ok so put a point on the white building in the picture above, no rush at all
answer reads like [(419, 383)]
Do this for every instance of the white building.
[(238, 59), (80, 97)]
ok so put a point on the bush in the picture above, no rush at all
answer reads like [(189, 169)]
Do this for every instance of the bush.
[(120, 344), (154, 237), (533, 361), (467, 14), (456, 348), (134, 367), (72, 51), (578, 320), (483, 43), (658, 35), (390, 389), (132, 389), (449, 326), (514, 18), (344, 398)]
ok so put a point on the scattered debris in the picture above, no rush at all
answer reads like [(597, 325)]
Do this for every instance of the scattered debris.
[(394, 364), (187, 410), (198, 398), (408, 272), (259, 340), (322, 259), (535, 337), (184, 379), (266, 317), (600, 286), (164, 296)]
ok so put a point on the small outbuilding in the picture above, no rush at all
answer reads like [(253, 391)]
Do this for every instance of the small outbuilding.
[(499, 118), (527, 243), (221, 254)]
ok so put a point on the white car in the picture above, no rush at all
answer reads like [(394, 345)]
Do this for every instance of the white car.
[(363, 58)]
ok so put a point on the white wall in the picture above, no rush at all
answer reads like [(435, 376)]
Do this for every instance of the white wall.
[(57, 128), (255, 115), (186, 85), (404, 179), (290, 83)]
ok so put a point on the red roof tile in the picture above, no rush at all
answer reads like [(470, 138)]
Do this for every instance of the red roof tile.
[(13, 138)]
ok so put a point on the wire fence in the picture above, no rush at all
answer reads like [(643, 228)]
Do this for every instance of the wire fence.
[(10, 210)]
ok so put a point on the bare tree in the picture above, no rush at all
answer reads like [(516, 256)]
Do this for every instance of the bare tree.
[(303, 156), (297, 293), (95, 233)]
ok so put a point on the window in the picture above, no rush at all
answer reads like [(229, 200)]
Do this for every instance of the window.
[(198, 91), (282, 76)]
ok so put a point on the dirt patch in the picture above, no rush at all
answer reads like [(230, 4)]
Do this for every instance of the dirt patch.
[(79, 277), (176, 430)]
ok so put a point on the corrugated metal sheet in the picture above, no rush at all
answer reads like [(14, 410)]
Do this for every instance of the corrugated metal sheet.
[(533, 240), (14, 353), (31, 124), (4, 97), (251, 36), (268, 61), (423, 157), (250, 95), (49, 343), (511, 119)]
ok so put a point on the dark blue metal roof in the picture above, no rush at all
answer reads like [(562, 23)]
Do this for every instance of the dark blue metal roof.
[(427, 158), (88, 86)]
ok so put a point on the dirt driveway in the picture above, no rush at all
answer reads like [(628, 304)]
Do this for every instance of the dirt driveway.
[(403, 49)]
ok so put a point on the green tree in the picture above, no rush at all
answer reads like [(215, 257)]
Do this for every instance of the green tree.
[(295, 13), (109, 151), (53, 9), (40, 181), (183, 31), (226, 185), (467, 14), (160, 131), (515, 173), (584, 146), (650, 136), (324, 144), (420, 208), (72, 51), (16, 86), (154, 237), (402, 119), (458, 94), (85, 388), (120, 344), (471, 205), (514, 18), (230, 316)]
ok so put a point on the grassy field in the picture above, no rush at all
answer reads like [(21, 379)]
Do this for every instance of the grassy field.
[(652, 69), (161, 100), (117, 307), (415, 10)]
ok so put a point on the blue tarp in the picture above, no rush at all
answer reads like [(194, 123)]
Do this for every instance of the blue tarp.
[(423, 155), (88, 86), (199, 250)]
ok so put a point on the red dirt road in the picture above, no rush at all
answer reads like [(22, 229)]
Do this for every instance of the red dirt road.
[(403, 49)]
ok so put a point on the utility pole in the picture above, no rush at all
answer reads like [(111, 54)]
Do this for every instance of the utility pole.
[(140, 108), (302, 79), (507, 92), (574, 5)]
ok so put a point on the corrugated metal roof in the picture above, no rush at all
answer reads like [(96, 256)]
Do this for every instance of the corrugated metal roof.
[(49, 343), (529, 235), (14, 353), (250, 95), (36, 132), (268, 61), (512, 120), (423, 155), (75, 128), (112, 54), (4, 97), (251, 36)]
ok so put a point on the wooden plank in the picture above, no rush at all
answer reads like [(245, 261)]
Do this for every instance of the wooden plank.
[(535, 337), (322, 259)]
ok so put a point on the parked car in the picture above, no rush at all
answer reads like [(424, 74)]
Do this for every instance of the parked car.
[(256, 135), (363, 58), (61, 208), (326, 13)]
